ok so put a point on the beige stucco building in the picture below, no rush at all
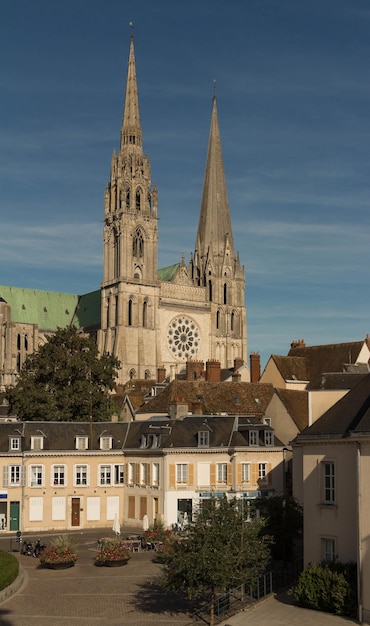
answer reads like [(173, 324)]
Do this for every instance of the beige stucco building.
[(331, 465), (149, 318), (61, 476)]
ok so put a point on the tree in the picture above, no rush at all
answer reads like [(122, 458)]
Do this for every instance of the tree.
[(222, 548), (284, 523), (65, 380)]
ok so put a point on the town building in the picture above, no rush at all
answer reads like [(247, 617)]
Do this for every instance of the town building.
[(325, 372), (64, 475), (331, 465)]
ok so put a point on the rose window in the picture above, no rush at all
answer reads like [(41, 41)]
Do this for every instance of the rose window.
[(183, 338)]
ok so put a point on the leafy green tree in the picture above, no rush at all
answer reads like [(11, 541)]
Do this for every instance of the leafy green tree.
[(284, 522), (221, 549), (65, 380)]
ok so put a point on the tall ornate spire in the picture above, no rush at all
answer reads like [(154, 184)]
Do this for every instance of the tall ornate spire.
[(214, 229), (131, 128)]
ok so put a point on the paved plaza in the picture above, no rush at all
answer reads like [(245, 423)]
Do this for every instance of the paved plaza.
[(100, 596)]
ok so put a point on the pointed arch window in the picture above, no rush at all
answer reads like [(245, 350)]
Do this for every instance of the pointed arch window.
[(225, 293), (218, 320), (116, 261), (145, 314), (138, 244), (116, 311), (197, 278), (210, 290), (138, 200), (232, 321), (132, 374), (130, 306), (128, 199)]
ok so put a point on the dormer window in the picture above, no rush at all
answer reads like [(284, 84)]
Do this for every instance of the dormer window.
[(37, 442), (253, 438), (15, 443), (82, 442), (269, 438), (150, 441), (203, 439), (105, 443)]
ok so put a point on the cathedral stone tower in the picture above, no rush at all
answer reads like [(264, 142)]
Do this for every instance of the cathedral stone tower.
[(154, 319), (215, 265), (130, 286)]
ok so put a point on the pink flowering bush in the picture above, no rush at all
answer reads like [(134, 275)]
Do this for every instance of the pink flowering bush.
[(158, 532), (113, 549), (60, 550)]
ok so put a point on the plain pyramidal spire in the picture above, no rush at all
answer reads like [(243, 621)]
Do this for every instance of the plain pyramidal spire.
[(214, 229)]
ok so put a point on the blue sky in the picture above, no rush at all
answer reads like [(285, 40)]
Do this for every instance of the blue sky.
[(293, 94)]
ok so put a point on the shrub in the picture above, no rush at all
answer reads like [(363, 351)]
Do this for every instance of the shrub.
[(329, 587), (9, 568)]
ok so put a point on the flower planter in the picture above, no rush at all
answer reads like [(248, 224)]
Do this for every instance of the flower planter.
[(115, 563), (66, 565)]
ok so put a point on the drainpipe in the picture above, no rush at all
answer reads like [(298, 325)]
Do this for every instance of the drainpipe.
[(359, 535)]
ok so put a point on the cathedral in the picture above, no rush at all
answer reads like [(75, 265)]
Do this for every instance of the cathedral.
[(154, 320)]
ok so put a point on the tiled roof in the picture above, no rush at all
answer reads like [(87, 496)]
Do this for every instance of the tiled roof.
[(350, 415), (216, 398), (296, 403), (291, 367), (326, 358)]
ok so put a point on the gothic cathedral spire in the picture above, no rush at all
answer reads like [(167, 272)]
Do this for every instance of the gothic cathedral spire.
[(214, 229), (130, 238)]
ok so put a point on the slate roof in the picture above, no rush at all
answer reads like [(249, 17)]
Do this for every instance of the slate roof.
[(216, 398), (296, 404), (61, 435), (332, 381), (225, 432), (349, 416)]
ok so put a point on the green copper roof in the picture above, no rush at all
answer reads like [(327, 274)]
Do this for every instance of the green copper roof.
[(167, 273), (51, 310), (88, 311)]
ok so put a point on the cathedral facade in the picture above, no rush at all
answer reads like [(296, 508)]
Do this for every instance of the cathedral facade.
[(151, 319), (154, 319)]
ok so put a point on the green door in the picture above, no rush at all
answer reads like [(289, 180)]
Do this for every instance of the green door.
[(14, 516)]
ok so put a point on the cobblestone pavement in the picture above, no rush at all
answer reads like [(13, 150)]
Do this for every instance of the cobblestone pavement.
[(281, 611), (90, 595), (86, 595)]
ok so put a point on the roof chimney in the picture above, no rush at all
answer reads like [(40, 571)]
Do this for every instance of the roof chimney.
[(298, 343), (213, 371), (255, 365), (238, 363), (178, 408), (161, 374), (196, 408), (236, 377), (194, 370)]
